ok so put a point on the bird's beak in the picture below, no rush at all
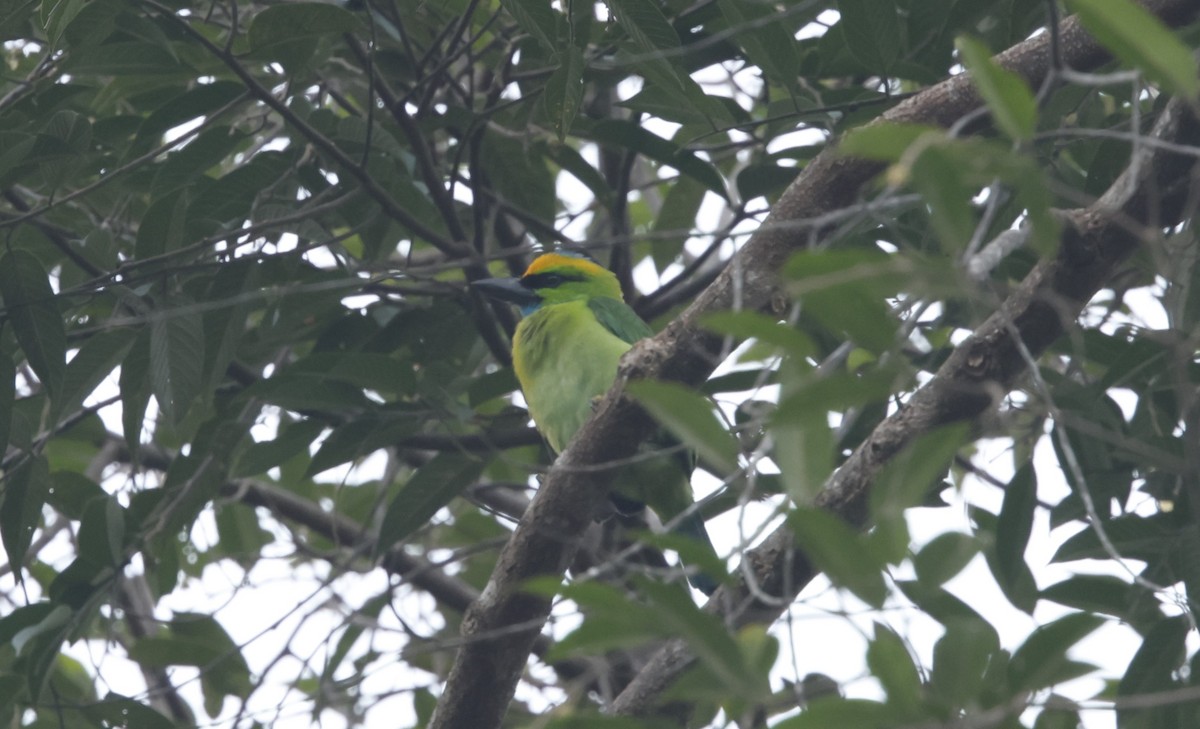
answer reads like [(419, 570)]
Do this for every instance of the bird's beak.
[(507, 289)]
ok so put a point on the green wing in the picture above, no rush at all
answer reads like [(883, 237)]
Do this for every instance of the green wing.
[(618, 318), (661, 483)]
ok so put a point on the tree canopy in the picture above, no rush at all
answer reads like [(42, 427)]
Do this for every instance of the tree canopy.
[(266, 463)]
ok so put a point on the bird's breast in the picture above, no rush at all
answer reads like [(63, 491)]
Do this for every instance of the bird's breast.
[(564, 358)]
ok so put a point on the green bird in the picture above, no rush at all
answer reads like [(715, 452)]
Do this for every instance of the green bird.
[(574, 328)]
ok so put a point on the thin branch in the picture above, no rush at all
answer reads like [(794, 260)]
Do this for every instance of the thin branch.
[(318, 140), (421, 148)]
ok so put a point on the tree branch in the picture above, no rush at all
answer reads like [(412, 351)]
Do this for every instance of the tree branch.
[(980, 370), (494, 653)]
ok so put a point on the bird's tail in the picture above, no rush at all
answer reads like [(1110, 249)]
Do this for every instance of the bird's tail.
[(692, 526)]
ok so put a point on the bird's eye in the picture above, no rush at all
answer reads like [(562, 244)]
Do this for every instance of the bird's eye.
[(552, 279)]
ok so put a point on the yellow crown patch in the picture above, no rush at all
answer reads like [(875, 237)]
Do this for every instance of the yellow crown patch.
[(547, 261)]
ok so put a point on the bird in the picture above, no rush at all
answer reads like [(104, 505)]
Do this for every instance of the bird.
[(574, 327)]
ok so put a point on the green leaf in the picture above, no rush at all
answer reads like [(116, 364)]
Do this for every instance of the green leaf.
[(25, 489), (844, 290), (939, 604), (357, 438), (690, 417), (537, 18), (352, 632), (1013, 528), (1106, 594), (29, 305), (57, 15), (12, 694), (303, 392), (28, 622), (164, 225), (1141, 40), (578, 721), (15, 148), (1041, 661), (613, 620), (843, 713), (367, 370), (1161, 654), (242, 537), (939, 175), (225, 326), (37, 645), (417, 200), (803, 450), (71, 491), (887, 141), (944, 557), (520, 174), (692, 552), (94, 361), (905, 482), (564, 91), (838, 551), (1057, 718), (176, 356), (645, 24), (134, 383), (753, 324), (346, 443), (708, 638), (432, 486), (358, 136), (124, 58), (102, 533), (569, 159), (676, 218), (890, 662), (767, 180), (815, 392), (960, 661), (1006, 94), (288, 33), (227, 674), (670, 95), (869, 27), (767, 44), (203, 153), (1146, 538), (8, 394), (199, 641), (116, 710), (293, 439), (160, 652), (196, 102), (628, 135), (231, 198)]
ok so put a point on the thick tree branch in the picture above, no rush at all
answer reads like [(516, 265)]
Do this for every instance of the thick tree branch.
[(1152, 193), (490, 662)]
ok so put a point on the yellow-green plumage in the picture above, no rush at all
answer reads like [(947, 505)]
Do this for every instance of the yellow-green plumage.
[(551, 340), (566, 350)]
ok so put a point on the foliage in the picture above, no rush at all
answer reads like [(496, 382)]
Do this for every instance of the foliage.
[(262, 443)]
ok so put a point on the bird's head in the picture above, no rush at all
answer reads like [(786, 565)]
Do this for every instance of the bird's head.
[(553, 278)]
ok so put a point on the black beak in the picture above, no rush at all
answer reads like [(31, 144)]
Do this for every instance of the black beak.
[(507, 289)]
